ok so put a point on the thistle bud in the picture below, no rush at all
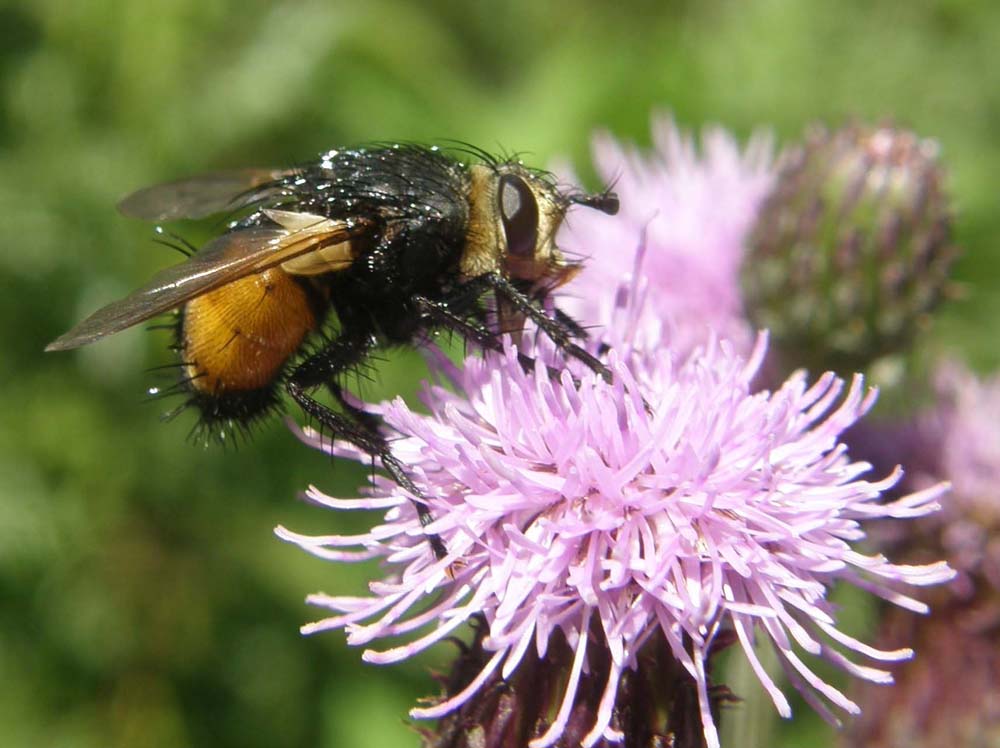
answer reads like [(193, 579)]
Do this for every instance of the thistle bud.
[(852, 249)]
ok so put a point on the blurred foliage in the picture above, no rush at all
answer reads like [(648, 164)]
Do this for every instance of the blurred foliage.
[(143, 599)]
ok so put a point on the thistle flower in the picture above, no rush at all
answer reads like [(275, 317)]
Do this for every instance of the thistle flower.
[(963, 426), (957, 439), (670, 511), (693, 205)]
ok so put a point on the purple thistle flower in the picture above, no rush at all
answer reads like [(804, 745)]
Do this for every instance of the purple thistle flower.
[(964, 426), (672, 506), (956, 439), (694, 207), (969, 440)]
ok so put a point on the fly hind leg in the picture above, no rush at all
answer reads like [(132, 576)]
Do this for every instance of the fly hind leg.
[(354, 425)]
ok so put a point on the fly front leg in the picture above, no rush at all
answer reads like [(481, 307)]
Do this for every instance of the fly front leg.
[(558, 331), (440, 314), (323, 368)]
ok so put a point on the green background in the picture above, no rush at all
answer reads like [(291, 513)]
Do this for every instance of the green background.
[(143, 598)]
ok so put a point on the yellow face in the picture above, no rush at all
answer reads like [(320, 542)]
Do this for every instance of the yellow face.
[(514, 216)]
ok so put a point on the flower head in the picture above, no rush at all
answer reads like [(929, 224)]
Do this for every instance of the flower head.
[(694, 206), (954, 439), (669, 505), (957, 438), (964, 425)]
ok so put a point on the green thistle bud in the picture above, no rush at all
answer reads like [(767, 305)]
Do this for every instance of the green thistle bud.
[(852, 249)]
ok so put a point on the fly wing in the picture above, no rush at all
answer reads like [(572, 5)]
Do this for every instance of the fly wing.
[(202, 196), (231, 256)]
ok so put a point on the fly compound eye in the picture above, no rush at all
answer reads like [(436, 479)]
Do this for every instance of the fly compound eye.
[(519, 211)]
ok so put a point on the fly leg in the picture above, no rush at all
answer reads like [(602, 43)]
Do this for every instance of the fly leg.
[(369, 420), (322, 368), (441, 314), (558, 331)]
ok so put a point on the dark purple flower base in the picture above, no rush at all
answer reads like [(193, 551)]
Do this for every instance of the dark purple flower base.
[(656, 705)]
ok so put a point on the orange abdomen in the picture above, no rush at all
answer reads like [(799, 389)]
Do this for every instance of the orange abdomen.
[(238, 338)]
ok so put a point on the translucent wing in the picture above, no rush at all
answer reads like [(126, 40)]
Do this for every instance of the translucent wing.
[(204, 195), (231, 256)]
